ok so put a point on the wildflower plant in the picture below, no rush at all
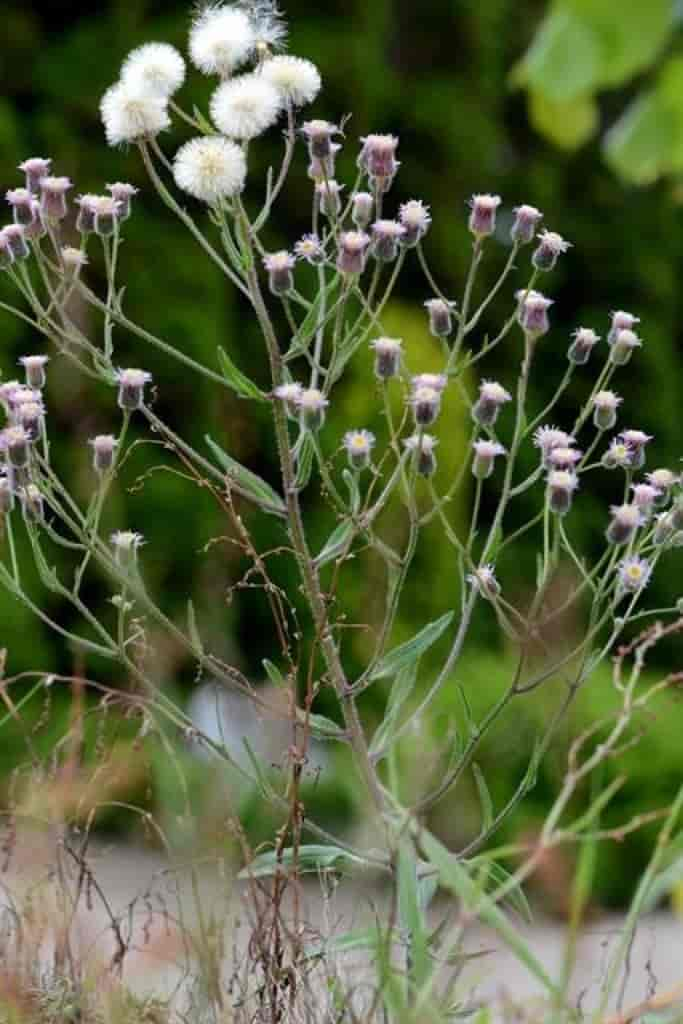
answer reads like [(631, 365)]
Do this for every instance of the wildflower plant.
[(319, 302)]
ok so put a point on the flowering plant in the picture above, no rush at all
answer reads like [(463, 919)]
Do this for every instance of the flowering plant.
[(320, 302)]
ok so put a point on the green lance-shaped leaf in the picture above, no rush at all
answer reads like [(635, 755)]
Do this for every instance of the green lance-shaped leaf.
[(239, 383), (337, 543), (311, 321), (401, 689), (411, 650), (304, 453), (247, 483), (310, 858)]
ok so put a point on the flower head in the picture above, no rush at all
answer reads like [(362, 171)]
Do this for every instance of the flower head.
[(210, 168), (352, 254), (359, 445), (289, 394), (561, 486), (645, 495), (605, 405), (626, 519), (484, 581), (617, 456), (297, 80), (130, 113), (437, 381), (485, 453), (426, 403), (386, 234), (310, 249), (547, 438), (34, 368), (21, 201), (156, 68), (312, 404), (662, 479), (35, 168), (624, 343), (636, 440), (482, 220), (279, 266), (423, 446), (527, 219), (131, 384), (492, 396), (621, 321), (362, 205), (585, 340), (245, 107), (440, 317), (329, 193), (126, 544), (53, 192), (550, 246), (533, 314), (388, 353), (122, 192), (416, 220), (378, 158), (319, 135), (222, 38), (15, 236), (634, 574), (104, 448)]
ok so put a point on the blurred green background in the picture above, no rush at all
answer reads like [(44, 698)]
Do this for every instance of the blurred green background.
[(451, 79)]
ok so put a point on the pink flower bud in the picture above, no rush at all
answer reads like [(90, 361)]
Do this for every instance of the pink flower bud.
[(35, 168), (131, 388), (386, 234), (388, 353), (279, 266), (485, 453), (482, 220), (584, 342), (423, 446), (352, 254), (53, 197), (551, 245), (527, 219), (440, 317)]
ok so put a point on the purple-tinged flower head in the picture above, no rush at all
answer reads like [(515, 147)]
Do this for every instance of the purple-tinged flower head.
[(527, 219), (73, 260), (623, 346), (482, 221), (16, 443), (310, 249), (85, 221), (438, 381), (15, 236), (353, 252), (416, 220), (329, 197), (426, 404), (319, 169), (533, 314), (105, 210), (492, 396), (484, 582), (440, 317), (485, 453), (131, 384), (34, 369), (585, 340), (122, 193), (19, 395), (386, 235), (30, 417), (422, 446), (633, 574), (359, 445), (312, 404), (550, 247), (561, 486), (53, 192), (6, 496), (279, 266), (636, 441), (388, 354), (617, 456), (564, 457), (362, 206), (319, 135), (35, 168), (126, 544), (621, 321), (21, 201), (645, 496), (626, 519), (36, 229), (378, 158), (664, 529), (547, 438), (605, 405), (664, 480), (103, 452), (6, 391), (289, 394), (6, 254), (32, 505)]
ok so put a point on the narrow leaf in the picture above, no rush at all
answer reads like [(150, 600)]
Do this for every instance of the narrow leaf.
[(192, 628), (337, 543), (410, 651), (400, 692), (239, 383), (309, 858), (248, 483)]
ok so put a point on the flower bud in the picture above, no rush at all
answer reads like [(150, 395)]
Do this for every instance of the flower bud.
[(617, 456), (388, 352), (561, 486), (386, 234), (21, 201), (633, 574), (626, 519), (416, 221), (378, 158), (279, 266), (6, 254), (320, 169), (621, 321), (440, 317), (584, 342), (329, 197), (484, 582), (73, 260), (533, 315), (36, 229), (527, 219), (362, 206), (547, 439), (311, 404), (53, 197), (122, 193), (564, 457), (310, 249), (482, 220), (644, 496), (485, 453), (105, 211), (352, 254), (551, 245), (32, 504), (423, 445), (34, 368), (290, 394), (15, 442), (126, 544), (623, 345), (636, 441), (426, 403), (104, 450), (30, 417), (319, 134), (35, 168), (85, 221), (132, 388), (605, 404), (438, 381), (491, 397), (359, 445), (663, 480), (15, 235)]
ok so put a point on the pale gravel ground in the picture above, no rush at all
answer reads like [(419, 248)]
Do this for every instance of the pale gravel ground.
[(125, 873)]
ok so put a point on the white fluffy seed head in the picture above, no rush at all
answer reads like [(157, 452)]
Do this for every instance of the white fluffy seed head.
[(156, 68), (245, 107), (222, 38), (297, 80), (210, 168), (130, 113)]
